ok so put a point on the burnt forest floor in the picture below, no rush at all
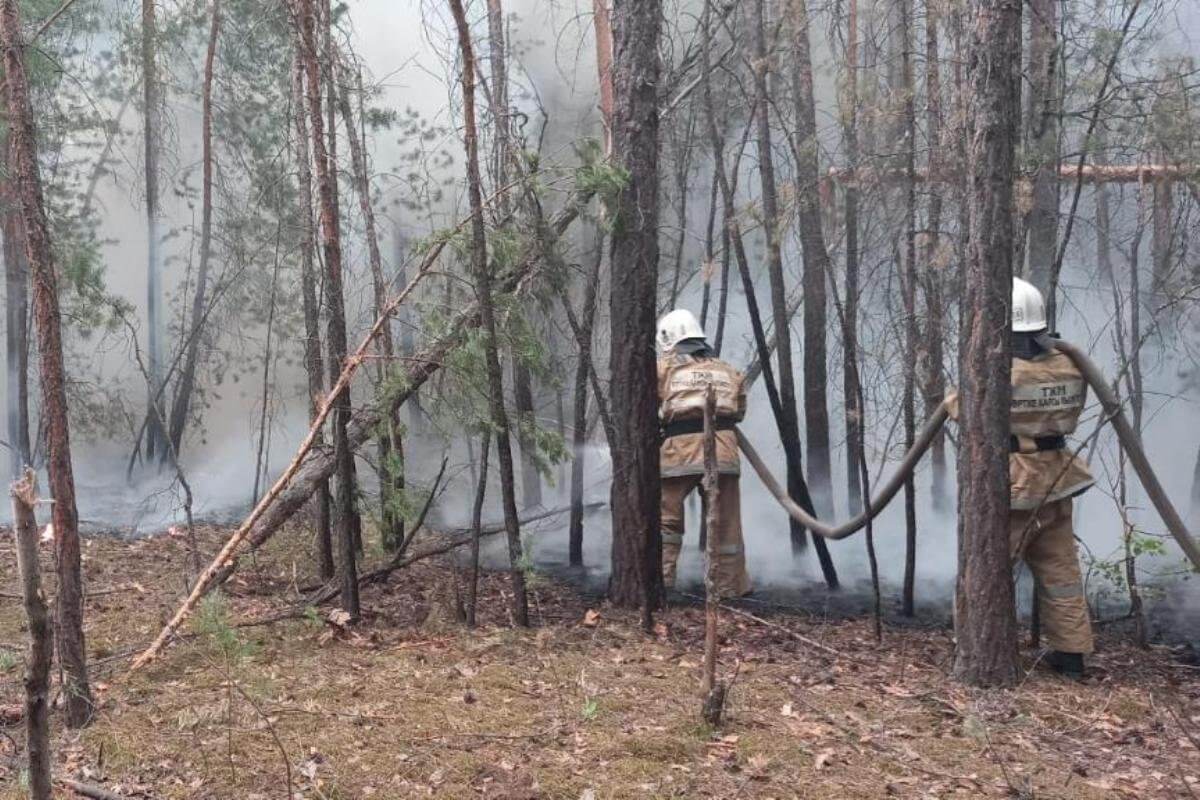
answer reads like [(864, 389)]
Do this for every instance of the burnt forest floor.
[(261, 692)]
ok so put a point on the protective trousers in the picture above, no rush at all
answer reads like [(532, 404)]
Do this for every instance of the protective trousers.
[(732, 578), (1045, 539)]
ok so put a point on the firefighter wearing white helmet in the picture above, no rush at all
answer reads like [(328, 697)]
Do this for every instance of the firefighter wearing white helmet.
[(1048, 396), (687, 366)]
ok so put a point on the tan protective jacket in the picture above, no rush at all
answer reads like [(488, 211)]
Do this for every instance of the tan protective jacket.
[(1049, 394), (683, 381)]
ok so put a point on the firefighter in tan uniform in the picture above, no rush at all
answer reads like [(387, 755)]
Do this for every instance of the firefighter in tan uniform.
[(686, 368), (1048, 395)]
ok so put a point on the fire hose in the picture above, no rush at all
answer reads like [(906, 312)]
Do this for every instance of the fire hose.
[(1128, 437)]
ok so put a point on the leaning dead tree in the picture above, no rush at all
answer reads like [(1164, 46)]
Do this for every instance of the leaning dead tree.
[(311, 467), (68, 610)]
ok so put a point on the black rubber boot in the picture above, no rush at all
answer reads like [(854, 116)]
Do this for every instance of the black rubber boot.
[(1069, 665)]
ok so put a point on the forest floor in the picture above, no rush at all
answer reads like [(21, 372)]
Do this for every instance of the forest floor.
[(584, 705)]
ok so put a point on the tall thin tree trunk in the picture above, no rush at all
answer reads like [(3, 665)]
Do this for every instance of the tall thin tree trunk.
[(187, 378), (16, 319), (261, 468), (483, 286), (68, 610), (1042, 122), (985, 618), (389, 446), (416, 415), (152, 101), (851, 391), (531, 479), (602, 25), (476, 525), (636, 549), (816, 263), (909, 286), (790, 422), (313, 362), (1161, 235), (934, 380), (579, 417), (336, 309)]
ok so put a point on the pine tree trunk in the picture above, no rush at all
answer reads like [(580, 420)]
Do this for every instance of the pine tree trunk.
[(389, 446), (789, 422), (152, 100), (313, 361), (187, 378), (816, 264), (483, 286), (579, 416), (336, 309), (985, 618), (934, 382), (68, 610), (1161, 238), (16, 319), (636, 549), (851, 391), (909, 286), (1042, 139)]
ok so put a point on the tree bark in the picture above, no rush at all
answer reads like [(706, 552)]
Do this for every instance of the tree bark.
[(16, 325), (336, 309), (1042, 139), (909, 286), (579, 417), (187, 378), (1161, 235), (68, 610), (41, 638), (602, 24), (636, 549), (816, 264), (934, 379), (476, 529), (985, 618), (483, 286), (313, 361), (389, 446), (789, 422), (851, 390), (152, 101), (531, 479)]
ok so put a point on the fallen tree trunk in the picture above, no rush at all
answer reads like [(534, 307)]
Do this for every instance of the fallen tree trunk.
[(311, 466)]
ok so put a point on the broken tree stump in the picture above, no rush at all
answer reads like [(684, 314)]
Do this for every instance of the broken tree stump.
[(41, 638)]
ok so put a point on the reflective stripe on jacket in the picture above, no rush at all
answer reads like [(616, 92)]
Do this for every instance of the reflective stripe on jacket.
[(683, 381)]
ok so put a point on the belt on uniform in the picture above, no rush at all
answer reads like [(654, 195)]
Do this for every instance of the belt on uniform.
[(1042, 443), (685, 426)]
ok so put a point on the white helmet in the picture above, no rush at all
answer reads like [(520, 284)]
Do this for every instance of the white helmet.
[(1028, 308), (676, 326)]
